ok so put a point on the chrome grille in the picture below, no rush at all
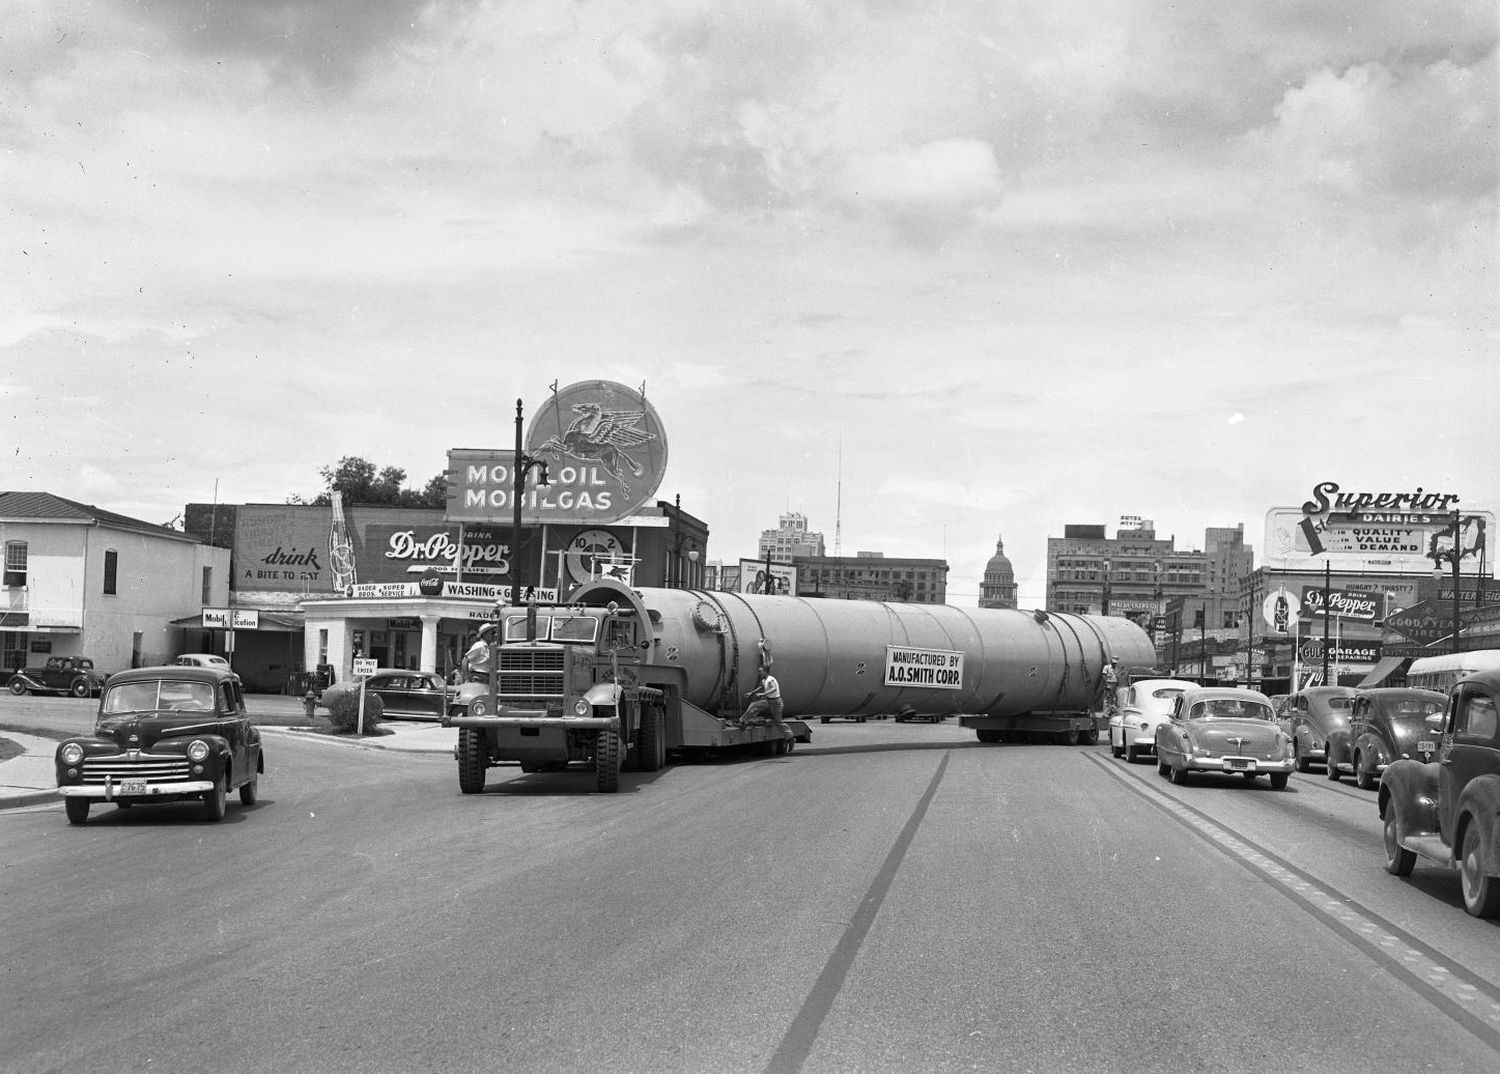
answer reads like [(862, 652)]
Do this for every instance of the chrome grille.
[(527, 674), (151, 769)]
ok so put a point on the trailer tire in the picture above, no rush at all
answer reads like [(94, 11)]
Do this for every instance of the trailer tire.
[(1091, 737), (607, 759), (986, 735), (1071, 736), (651, 744), (472, 760)]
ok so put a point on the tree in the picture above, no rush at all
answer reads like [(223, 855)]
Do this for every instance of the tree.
[(358, 482)]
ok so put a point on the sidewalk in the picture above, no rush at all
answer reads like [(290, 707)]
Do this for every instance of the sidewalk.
[(30, 779)]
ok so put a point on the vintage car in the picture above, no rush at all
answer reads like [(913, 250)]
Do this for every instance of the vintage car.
[(1447, 810), (1223, 729), (201, 660), (412, 695), (1384, 724), (1140, 707), (164, 734), (1314, 714), (59, 675)]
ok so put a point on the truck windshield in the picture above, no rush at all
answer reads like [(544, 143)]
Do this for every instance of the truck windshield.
[(557, 627)]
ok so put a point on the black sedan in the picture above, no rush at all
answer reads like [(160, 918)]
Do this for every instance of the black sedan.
[(163, 734), (409, 695)]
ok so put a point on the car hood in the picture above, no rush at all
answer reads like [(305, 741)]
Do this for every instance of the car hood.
[(1246, 734), (142, 731)]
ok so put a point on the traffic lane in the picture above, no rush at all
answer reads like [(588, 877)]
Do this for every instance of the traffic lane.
[(369, 917), (1330, 832), (1049, 920)]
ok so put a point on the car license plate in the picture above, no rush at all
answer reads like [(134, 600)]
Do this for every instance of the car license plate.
[(1426, 747), (1241, 762), (130, 786)]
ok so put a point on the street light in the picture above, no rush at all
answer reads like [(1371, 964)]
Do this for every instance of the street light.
[(524, 464)]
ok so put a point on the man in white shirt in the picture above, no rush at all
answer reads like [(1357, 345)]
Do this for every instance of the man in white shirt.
[(765, 700)]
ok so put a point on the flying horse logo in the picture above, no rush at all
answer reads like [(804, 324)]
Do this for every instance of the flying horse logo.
[(602, 436)]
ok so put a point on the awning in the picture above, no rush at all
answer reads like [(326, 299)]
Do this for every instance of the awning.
[(1388, 666), (273, 622)]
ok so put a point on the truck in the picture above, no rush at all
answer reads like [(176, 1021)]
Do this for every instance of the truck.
[(1447, 810), (615, 678)]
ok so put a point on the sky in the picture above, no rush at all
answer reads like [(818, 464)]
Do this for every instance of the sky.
[(930, 273)]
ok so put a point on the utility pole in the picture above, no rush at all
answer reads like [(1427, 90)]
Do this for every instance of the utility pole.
[(1327, 573)]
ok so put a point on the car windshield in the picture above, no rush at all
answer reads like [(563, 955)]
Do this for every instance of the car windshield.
[(159, 694), (1232, 708)]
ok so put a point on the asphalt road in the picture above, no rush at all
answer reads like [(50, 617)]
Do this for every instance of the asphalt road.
[(892, 898)]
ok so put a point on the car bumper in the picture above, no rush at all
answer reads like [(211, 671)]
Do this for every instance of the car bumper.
[(110, 790), (1238, 764)]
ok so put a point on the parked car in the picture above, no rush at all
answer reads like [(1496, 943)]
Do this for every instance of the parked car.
[(1311, 716), (164, 734), (201, 660), (1141, 706), (74, 675), (1445, 810), (409, 694), (1385, 724), (1223, 729)]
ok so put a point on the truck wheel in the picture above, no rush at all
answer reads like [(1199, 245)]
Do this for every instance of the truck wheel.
[(652, 746), (607, 762), (213, 801), (1481, 893), (1398, 860), (472, 760), (78, 809)]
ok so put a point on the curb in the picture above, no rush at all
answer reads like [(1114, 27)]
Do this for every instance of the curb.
[(30, 798)]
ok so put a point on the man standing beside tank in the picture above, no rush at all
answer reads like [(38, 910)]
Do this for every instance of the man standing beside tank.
[(765, 699)]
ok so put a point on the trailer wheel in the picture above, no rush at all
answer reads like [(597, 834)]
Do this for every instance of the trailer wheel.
[(1091, 737), (472, 760), (652, 744), (607, 751), (1071, 736), (987, 735)]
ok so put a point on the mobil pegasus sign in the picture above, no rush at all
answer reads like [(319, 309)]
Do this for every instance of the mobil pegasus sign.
[(605, 453)]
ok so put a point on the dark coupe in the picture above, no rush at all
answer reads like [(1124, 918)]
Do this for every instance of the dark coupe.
[(164, 734), (1385, 724), (59, 675)]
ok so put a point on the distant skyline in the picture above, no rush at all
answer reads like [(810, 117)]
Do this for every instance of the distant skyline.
[(940, 272)]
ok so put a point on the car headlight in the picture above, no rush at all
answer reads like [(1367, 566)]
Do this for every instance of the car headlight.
[(72, 753), (197, 750), (581, 707)]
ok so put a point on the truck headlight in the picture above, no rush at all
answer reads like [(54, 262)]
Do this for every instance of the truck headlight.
[(581, 707), (72, 753), (197, 750)]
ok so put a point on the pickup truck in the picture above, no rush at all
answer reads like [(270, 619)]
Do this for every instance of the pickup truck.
[(59, 675), (1447, 811)]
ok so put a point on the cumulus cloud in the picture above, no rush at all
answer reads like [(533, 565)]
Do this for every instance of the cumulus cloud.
[(929, 190)]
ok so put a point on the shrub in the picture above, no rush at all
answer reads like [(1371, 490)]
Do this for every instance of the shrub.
[(342, 701)]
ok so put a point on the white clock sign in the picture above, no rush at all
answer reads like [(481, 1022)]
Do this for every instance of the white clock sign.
[(590, 550)]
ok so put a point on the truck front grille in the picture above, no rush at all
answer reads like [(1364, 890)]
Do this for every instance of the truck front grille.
[(151, 769), (527, 674)]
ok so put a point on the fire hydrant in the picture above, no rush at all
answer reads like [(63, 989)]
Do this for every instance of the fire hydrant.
[(309, 703)]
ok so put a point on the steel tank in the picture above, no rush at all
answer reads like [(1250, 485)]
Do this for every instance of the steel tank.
[(830, 656)]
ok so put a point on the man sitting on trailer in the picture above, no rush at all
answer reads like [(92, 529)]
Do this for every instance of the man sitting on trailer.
[(765, 699)]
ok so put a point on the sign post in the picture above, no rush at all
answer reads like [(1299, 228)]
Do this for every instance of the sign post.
[(364, 667)]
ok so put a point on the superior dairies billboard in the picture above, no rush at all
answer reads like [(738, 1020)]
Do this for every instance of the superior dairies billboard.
[(605, 453), (1379, 532)]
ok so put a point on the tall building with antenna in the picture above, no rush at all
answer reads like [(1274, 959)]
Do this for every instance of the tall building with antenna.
[(790, 538)]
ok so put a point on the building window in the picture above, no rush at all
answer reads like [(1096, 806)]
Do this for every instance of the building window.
[(208, 585), (111, 571), (14, 649), (15, 563)]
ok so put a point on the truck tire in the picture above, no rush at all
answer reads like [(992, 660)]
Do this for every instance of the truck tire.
[(652, 744), (472, 760), (607, 757), (1481, 892)]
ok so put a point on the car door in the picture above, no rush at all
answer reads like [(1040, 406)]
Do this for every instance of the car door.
[(1469, 750), (427, 695)]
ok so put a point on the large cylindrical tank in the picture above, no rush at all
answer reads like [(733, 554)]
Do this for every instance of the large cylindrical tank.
[(831, 656)]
